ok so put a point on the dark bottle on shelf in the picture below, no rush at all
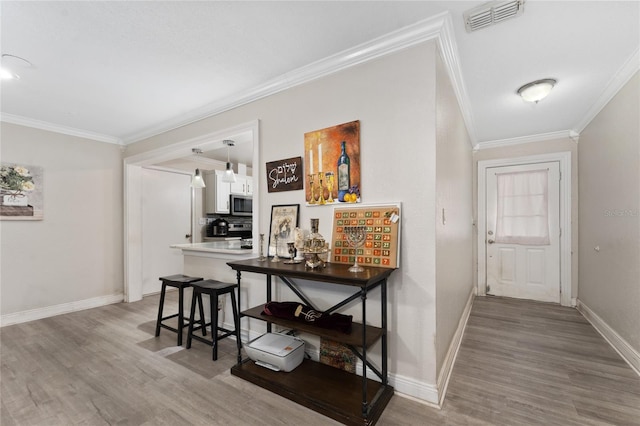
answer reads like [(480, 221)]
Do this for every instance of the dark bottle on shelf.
[(344, 173)]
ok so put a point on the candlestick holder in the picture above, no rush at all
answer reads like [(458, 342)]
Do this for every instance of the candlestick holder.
[(356, 236), (312, 199), (262, 258), (321, 200), (275, 257)]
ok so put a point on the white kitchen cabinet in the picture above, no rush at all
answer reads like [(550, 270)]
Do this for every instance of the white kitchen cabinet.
[(242, 186), (216, 192)]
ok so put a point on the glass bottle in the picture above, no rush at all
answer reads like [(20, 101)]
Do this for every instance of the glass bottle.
[(344, 172)]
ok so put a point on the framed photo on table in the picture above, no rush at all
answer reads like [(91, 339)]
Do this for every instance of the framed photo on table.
[(284, 219)]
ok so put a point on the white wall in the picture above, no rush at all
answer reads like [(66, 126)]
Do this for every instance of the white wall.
[(609, 180), (75, 253), (454, 213), (394, 99)]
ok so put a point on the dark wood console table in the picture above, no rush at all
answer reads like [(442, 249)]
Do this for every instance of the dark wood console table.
[(338, 394)]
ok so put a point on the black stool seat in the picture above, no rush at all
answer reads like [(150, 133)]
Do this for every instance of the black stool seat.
[(180, 282), (214, 289)]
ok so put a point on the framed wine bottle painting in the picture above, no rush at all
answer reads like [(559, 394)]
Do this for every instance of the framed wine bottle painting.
[(332, 165)]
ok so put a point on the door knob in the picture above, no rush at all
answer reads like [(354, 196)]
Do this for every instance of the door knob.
[(490, 241), (188, 236)]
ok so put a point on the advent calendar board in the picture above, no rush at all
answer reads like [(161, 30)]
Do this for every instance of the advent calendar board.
[(381, 247)]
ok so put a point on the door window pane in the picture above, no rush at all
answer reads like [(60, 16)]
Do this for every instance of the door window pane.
[(523, 208)]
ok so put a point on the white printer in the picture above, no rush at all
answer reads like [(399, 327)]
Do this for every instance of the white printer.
[(278, 352)]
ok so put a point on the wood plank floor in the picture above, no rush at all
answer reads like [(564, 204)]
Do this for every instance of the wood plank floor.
[(520, 363)]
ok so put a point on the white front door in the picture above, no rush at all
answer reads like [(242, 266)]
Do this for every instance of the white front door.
[(166, 220), (521, 263)]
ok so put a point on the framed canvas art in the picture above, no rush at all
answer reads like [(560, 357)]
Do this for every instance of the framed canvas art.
[(332, 165), (20, 192)]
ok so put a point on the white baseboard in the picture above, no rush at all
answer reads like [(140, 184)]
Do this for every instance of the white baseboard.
[(447, 366), (628, 353), (425, 393), (64, 308)]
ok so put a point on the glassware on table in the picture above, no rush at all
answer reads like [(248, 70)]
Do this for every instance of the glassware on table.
[(356, 236), (314, 246), (291, 247)]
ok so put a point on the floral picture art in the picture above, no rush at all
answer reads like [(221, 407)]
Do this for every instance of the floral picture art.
[(20, 192)]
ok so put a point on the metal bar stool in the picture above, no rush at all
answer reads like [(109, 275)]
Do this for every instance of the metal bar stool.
[(213, 289), (180, 282)]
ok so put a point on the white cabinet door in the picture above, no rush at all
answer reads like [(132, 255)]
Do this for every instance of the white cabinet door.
[(242, 186), (209, 177), (239, 187), (249, 180), (223, 190)]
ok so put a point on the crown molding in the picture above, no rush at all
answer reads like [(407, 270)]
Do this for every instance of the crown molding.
[(438, 27), (449, 51), (526, 139), (43, 125), (624, 74)]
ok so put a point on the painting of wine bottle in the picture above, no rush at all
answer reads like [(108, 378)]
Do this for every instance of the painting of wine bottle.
[(332, 165)]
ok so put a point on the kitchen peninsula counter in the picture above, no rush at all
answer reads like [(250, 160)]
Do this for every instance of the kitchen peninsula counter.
[(216, 249)]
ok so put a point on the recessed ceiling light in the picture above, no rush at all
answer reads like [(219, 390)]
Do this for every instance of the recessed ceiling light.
[(536, 90)]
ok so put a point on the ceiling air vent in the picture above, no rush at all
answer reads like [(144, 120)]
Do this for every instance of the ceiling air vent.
[(492, 13)]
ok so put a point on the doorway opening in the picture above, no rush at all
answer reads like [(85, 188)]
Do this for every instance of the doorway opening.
[(133, 270)]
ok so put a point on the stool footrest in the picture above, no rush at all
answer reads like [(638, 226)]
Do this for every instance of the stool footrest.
[(169, 317)]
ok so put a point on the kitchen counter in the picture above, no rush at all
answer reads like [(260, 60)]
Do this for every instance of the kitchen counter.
[(220, 249)]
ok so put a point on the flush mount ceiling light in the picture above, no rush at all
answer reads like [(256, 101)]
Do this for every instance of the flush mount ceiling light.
[(492, 13), (10, 66), (197, 181), (536, 90), (228, 175)]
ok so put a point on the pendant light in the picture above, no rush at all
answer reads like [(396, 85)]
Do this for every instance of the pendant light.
[(228, 175), (197, 181)]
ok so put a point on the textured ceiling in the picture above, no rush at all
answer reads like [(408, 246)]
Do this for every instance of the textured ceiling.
[(125, 70)]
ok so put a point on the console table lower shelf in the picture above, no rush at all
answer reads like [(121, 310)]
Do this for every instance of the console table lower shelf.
[(328, 390)]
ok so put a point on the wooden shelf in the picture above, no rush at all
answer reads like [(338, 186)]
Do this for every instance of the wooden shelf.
[(330, 391), (333, 392), (354, 338)]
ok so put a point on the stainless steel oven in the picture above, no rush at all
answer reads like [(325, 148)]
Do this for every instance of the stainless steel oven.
[(241, 205)]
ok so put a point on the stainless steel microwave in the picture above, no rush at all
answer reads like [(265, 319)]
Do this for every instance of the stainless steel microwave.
[(241, 205)]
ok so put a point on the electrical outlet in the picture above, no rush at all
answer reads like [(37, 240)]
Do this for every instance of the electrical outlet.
[(220, 303), (202, 221)]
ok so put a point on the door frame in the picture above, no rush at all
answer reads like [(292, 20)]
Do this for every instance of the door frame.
[(564, 158), (133, 195)]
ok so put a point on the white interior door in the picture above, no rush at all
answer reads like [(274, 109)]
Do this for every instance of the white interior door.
[(529, 269), (166, 220)]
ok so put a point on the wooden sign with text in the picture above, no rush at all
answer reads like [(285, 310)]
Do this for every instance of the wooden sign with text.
[(285, 175)]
